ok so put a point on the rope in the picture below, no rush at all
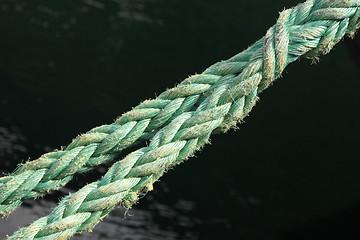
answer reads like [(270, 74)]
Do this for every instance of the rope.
[(104, 144), (100, 145), (310, 29)]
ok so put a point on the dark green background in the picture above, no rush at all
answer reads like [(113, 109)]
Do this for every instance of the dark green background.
[(290, 172)]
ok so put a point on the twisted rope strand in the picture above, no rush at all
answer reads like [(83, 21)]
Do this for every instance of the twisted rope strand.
[(103, 144), (310, 29), (133, 175)]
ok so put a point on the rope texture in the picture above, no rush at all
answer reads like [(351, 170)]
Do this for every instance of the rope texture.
[(100, 145), (103, 144), (310, 29)]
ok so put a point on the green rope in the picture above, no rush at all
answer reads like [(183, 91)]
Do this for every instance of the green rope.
[(103, 144), (100, 145), (225, 93)]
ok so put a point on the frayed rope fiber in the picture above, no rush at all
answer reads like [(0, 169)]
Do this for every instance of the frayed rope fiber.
[(178, 122)]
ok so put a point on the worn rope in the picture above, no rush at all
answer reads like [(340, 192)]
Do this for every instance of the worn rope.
[(104, 144), (310, 29)]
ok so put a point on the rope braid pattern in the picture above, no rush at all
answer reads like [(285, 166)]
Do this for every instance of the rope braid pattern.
[(100, 145), (103, 144), (310, 29)]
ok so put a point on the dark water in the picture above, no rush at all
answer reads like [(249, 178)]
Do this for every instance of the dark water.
[(290, 172)]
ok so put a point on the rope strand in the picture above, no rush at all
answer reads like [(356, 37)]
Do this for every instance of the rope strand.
[(310, 29)]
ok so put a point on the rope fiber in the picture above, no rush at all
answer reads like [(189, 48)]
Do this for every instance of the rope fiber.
[(178, 122)]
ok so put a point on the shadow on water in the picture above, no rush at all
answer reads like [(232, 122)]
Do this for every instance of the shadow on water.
[(290, 172)]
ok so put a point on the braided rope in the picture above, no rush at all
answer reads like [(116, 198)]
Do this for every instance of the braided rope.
[(310, 29), (102, 144)]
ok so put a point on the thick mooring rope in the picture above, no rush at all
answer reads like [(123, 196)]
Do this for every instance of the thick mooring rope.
[(180, 120), (103, 144)]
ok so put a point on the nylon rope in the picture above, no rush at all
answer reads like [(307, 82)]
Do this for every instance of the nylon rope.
[(179, 122)]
